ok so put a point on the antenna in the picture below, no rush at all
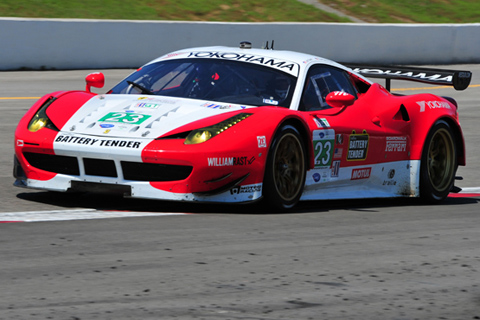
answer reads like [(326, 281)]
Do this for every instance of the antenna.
[(265, 46)]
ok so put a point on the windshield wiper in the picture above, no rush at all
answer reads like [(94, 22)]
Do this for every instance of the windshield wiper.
[(139, 86)]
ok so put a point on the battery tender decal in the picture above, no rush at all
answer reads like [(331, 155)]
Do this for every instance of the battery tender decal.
[(323, 147), (358, 146)]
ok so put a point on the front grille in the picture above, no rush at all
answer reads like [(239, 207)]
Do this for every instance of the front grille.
[(53, 163), (154, 172), (136, 171), (100, 167)]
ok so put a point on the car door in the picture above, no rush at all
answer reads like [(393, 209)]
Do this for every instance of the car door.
[(347, 144)]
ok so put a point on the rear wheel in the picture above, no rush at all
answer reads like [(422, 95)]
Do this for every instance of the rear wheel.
[(438, 164), (285, 169)]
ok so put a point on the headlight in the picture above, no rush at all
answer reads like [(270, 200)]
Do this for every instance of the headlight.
[(204, 134), (40, 119)]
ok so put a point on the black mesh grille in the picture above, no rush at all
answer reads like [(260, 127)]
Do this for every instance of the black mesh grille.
[(53, 163), (154, 172), (136, 171), (100, 167)]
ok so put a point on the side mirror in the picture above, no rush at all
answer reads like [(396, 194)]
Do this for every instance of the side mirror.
[(96, 80), (339, 99)]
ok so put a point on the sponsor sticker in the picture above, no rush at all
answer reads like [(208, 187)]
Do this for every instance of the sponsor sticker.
[(361, 173), (262, 141), (358, 146), (113, 143), (339, 138), (390, 181), (321, 122), (216, 106), (433, 105), (335, 168), (270, 101), (283, 65), (147, 105), (229, 161), (246, 189), (396, 144)]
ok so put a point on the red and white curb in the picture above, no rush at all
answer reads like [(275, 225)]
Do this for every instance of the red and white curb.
[(466, 193)]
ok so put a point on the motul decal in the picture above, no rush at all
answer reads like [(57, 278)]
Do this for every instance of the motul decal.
[(362, 173)]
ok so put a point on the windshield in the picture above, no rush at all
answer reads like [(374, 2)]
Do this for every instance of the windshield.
[(209, 79)]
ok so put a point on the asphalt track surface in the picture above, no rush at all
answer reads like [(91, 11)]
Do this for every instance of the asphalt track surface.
[(389, 259)]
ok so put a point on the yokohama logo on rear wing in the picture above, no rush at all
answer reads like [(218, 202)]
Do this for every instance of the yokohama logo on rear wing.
[(459, 79)]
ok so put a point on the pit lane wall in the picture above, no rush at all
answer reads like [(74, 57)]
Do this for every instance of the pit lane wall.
[(93, 44)]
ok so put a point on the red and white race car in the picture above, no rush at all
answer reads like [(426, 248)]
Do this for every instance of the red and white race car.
[(222, 124)]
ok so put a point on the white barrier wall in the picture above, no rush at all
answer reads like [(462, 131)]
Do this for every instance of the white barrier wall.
[(92, 44)]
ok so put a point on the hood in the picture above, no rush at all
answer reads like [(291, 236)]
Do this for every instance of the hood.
[(136, 116)]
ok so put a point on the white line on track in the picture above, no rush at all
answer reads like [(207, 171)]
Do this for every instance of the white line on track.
[(470, 190), (78, 214), (87, 214)]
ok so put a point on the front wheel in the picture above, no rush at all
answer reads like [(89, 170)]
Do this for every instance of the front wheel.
[(438, 164), (285, 169)]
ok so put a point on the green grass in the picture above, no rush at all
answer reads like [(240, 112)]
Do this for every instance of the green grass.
[(384, 11), (420, 11), (195, 10)]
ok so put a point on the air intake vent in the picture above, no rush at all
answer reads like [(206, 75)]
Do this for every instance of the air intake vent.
[(100, 167), (53, 163), (139, 171)]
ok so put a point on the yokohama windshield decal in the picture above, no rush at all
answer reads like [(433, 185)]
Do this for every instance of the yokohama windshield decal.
[(280, 64)]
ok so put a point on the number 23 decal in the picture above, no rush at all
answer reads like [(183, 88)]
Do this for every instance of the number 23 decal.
[(323, 143), (125, 117)]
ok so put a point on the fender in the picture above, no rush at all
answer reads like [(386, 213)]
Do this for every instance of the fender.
[(424, 111)]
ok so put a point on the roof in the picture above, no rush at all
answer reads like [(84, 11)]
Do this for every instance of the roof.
[(288, 61)]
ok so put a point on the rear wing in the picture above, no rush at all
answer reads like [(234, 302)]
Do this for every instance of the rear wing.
[(459, 79)]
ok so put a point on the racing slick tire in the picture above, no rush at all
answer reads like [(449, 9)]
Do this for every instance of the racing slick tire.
[(285, 170), (439, 163)]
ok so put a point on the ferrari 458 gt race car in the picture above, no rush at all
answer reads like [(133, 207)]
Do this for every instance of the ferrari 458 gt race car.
[(229, 125)]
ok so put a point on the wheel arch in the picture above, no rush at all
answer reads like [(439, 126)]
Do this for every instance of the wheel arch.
[(304, 133), (273, 193), (435, 184), (458, 140)]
